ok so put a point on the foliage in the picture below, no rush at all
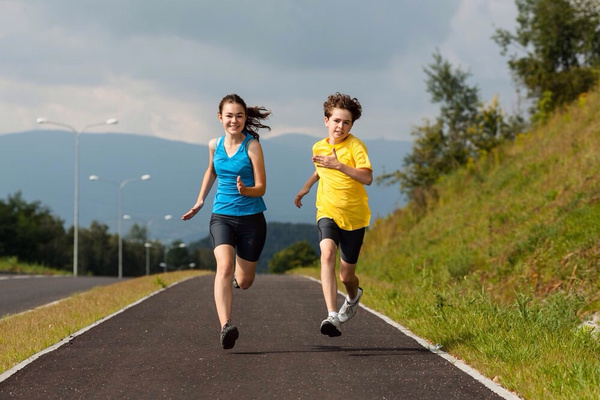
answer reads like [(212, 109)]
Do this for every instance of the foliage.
[(463, 131), (555, 49), (31, 233), (297, 255)]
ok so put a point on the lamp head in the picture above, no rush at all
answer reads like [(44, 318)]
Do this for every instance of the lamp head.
[(94, 177), (42, 120), (146, 177), (112, 121)]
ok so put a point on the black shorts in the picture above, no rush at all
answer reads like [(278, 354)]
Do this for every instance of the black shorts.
[(349, 242), (246, 234)]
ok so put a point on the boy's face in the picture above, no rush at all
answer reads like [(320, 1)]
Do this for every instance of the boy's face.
[(339, 125)]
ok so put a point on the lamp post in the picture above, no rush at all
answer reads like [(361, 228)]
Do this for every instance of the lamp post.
[(111, 121), (147, 246), (180, 245), (120, 186)]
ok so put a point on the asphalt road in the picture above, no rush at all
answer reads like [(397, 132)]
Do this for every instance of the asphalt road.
[(20, 293), (167, 347)]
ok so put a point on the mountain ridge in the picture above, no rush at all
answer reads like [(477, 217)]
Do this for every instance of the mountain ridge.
[(40, 165)]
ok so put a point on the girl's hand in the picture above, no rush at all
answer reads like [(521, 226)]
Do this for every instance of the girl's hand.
[(240, 185), (190, 214)]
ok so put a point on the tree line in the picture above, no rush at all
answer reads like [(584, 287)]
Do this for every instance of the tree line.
[(32, 234), (554, 56)]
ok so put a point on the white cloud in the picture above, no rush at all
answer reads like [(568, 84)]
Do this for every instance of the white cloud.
[(162, 67)]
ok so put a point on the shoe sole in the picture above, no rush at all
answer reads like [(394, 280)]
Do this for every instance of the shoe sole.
[(330, 330), (230, 337)]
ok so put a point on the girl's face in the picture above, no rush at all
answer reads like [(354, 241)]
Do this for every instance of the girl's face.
[(339, 125), (233, 118)]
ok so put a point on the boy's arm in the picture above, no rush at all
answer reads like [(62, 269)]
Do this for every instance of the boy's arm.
[(363, 175), (306, 188)]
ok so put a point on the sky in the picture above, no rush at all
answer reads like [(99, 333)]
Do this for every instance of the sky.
[(161, 67)]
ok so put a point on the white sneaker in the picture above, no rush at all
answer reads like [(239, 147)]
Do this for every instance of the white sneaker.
[(349, 309), (331, 327)]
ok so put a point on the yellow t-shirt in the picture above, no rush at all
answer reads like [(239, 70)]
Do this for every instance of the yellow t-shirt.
[(339, 196)]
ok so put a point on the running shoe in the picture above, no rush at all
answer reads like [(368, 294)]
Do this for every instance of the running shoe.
[(349, 309), (229, 335), (235, 284), (331, 327)]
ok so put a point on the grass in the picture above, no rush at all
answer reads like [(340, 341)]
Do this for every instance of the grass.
[(23, 335), (13, 266), (503, 264)]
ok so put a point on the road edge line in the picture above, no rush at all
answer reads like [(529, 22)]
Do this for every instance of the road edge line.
[(8, 373), (463, 366)]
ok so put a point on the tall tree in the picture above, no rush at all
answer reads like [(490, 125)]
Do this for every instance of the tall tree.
[(555, 51), (442, 145)]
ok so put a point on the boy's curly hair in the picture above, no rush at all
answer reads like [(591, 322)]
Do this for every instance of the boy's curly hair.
[(345, 102)]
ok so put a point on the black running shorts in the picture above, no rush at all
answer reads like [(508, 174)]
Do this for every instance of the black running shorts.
[(246, 234), (349, 242)]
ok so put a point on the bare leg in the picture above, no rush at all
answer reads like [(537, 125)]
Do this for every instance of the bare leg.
[(328, 281), (223, 278), (349, 278), (245, 272)]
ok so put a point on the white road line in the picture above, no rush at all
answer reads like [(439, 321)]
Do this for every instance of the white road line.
[(66, 340), (490, 384)]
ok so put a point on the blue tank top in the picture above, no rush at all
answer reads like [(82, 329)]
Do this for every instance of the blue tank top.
[(228, 200)]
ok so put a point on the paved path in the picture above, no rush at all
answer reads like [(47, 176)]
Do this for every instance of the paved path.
[(20, 293), (167, 347)]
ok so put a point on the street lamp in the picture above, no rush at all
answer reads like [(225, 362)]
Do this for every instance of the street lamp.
[(120, 186), (111, 121), (148, 246), (167, 248)]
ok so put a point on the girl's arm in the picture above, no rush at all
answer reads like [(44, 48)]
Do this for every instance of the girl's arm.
[(306, 188), (257, 159), (207, 182)]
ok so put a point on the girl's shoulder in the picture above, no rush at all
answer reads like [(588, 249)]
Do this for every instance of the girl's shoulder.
[(215, 142)]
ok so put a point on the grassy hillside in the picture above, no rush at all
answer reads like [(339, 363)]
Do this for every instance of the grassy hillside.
[(502, 265)]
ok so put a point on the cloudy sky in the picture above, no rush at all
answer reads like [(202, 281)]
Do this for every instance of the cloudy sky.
[(162, 66)]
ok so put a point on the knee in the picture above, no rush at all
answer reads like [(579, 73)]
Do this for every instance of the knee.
[(224, 271), (327, 255), (245, 283), (347, 278), (347, 275)]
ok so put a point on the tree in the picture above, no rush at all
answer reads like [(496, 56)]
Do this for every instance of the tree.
[(458, 106), (98, 250), (556, 48), (444, 144), (31, 233), (297, 255), (464, 130)]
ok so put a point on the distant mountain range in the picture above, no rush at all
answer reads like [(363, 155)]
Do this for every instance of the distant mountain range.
[(40, 164)]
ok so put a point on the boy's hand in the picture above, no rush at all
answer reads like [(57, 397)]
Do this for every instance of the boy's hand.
[(299, 196), (327, 161)]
